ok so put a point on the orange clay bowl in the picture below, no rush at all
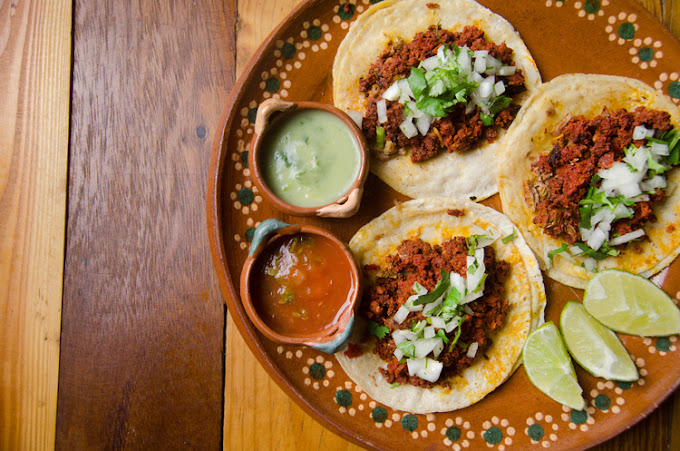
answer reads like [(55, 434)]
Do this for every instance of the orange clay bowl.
[(336, 318), (273, 110)]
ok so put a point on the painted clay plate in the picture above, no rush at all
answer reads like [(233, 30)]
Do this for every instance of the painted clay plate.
[(294, 63)]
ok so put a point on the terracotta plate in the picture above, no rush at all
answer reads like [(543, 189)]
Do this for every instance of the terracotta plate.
[(602, 36)]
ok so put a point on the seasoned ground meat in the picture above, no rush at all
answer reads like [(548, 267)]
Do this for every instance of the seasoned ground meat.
[(459, 131), (562, 176), (418, 261)]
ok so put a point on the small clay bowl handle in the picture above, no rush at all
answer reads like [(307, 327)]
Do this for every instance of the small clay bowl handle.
[(267, 109), (262, 231)]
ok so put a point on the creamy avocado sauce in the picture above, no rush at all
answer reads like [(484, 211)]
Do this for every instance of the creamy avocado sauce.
[(309, 158)]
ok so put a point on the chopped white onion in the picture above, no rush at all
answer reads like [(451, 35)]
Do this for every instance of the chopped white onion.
[(400, 316), (658, 181), (597, 238), (356, 117), (486, 87), (423, 123), (431, 63), (408, 128), (472, 349), (590, 264), (402, 335), (637, 159), (642, 132), (464, 61), (398, 354), (425, 346), (392, 93), (406, 92), (506, 71), (499, 88), (429, 332), (451, 325), (437, 322), (426, 369), (492, 65), (659, 149), (627, 237), (381, 108), (480, 63)]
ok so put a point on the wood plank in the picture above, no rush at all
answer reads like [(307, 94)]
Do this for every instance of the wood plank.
[(259, 415), (35, 63), (143, 317)]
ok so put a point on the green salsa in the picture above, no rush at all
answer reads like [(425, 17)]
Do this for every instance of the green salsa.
[(309, 158)]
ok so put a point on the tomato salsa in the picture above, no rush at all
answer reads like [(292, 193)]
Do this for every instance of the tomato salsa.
[(301, 284)]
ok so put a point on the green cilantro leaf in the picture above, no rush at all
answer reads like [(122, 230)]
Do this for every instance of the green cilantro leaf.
[(377, 329)]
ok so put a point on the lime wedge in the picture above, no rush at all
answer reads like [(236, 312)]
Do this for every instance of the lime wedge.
[(549, 366), (596, 348), (631, 304)]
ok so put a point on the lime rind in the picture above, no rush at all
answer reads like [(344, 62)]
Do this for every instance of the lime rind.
[(595, 348), (630, 304), (549, 366)]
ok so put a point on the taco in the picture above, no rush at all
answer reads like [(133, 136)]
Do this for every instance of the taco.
[(587, 175), (435, 85), (452, 293)]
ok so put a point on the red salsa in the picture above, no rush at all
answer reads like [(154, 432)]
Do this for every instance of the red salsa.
[(301, 284)]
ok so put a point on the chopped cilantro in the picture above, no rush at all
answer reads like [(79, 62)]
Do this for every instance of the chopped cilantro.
[(509, 238), (377, 329), (408, 348), (554, 252), (380, 136), (440, 289), (457, 336)]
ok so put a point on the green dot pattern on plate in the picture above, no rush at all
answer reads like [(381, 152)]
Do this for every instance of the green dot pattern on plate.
[(674, 90), (250, 233), (252, 115), (272, 85), (244, 159), (646, 54), (592, 6), (603, 402), (379, 414), (246, 196), (409, 422), (343, 398), (493, 435), (579, 416), (626, 30), (314, 33), (317, 371), (346, 11), (453, 433), (624, 385), (535, 432), (288, 50), (663, 344)]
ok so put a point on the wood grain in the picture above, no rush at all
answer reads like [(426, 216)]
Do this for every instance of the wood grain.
[(143, 318), (250, 393), (35, 61)]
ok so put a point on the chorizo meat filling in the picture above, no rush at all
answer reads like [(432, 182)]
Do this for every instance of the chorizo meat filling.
[(598, 185), (433, 309), (442, 90)]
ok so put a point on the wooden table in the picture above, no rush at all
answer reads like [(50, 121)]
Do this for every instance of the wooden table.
[(113, 330)]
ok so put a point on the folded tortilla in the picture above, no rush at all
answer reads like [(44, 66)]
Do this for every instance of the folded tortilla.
[(470, 174), (428, 220), (530, 135)]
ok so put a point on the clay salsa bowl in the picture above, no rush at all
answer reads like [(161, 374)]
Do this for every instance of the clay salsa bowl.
[(338, 186), (283, 263)]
